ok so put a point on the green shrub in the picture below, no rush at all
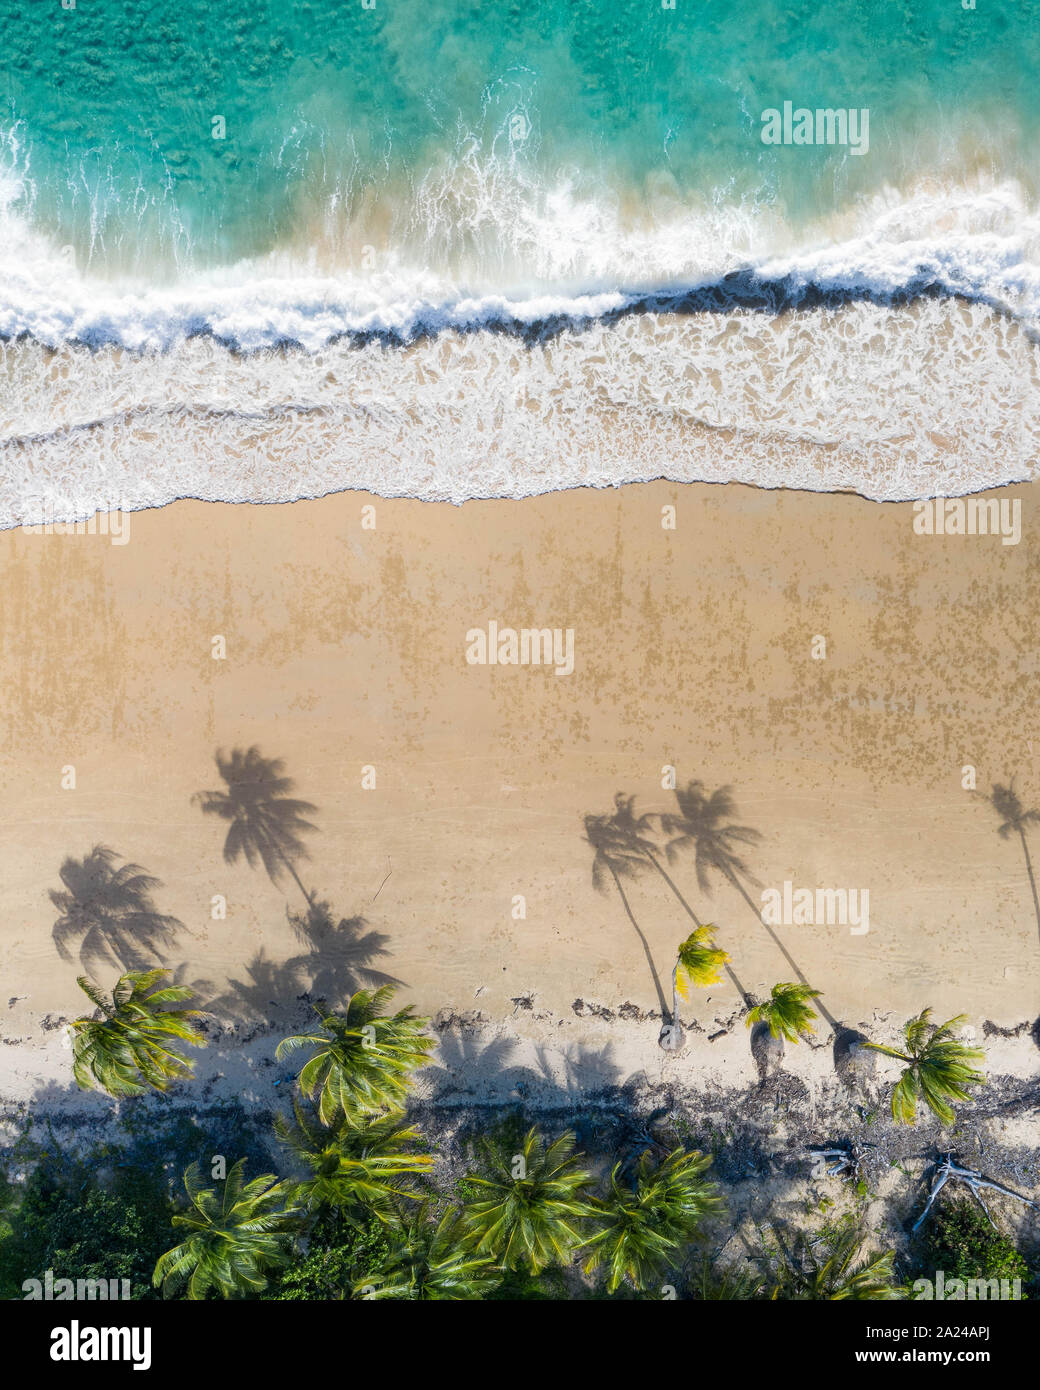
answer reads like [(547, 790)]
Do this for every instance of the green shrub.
[(65, 1221), (961, 1242), (338, 1255)]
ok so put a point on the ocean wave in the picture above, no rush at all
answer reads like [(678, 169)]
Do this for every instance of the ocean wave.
[(935, 397), (488, 243), (308, 314), (890, 351)]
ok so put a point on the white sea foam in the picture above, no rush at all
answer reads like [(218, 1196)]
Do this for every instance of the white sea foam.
[(921, 379)]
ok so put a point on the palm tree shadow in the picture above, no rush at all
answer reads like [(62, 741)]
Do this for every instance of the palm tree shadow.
[(575, 1087), (265, 824), (1014, 820), (338, 961), (268, 987), (108, 918), (467, 1069), (339, 953), (621, 848)]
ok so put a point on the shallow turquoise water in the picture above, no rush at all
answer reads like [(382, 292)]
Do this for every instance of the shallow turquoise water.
[(329, 103)]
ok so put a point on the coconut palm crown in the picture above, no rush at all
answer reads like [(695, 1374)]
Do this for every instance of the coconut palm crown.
[(699, 960), (236, 1233), (645, 1219), (787, 1011), (129, 1048), (359, 1164), (430, 1260), (365, 1057), (939, 1068), (829, 1266), (527, 1212)]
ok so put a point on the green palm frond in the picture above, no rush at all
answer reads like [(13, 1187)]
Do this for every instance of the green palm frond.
[(528, 1213), (365, 1058), (235, 1235), (430, 1260), (787, 1011), (700, 960), (732, 1284), (644, 1221), (127, 1051), (830, 1266), (360, 1164), (939, 1069)]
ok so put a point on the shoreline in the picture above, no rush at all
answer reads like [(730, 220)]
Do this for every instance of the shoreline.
[(859, 400)]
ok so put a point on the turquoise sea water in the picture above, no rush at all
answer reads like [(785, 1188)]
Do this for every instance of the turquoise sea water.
[(589, 177), (328, 105)]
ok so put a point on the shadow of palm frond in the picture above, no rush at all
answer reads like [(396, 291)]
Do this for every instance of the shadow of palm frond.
[(465, 1067), (1014, 821), (108, 918), (625, 849), (622, 851), (265, 824), (337, 963), (340, 953)]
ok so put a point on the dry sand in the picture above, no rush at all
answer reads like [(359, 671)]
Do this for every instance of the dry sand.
[(346, 649)]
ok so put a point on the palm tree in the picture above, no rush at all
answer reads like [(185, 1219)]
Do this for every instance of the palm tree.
[(266, 824), (358, 1164), (127, 1049), (535, 1201), (829, 1267), (430, 1260), (704, 823), (645, 1220), (108, 909), (622, 852), (1014, 821), (236, 1234), (698, 962), (787, 1012), (364, 1059), (938, 1070)]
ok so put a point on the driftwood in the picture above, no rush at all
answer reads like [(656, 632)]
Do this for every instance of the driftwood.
[(948, 1170), (842, 1161)]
